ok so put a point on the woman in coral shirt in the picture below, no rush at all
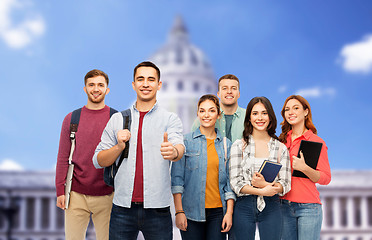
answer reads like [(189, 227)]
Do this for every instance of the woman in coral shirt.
[(301, 207)]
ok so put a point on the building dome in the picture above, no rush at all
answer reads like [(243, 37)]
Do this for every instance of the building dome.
[(179, 55), (185, 72)]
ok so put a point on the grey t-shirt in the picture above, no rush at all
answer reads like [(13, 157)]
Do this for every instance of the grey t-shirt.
[(228, 119)]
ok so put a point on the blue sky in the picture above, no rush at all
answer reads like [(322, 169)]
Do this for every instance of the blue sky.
[(320, 49)]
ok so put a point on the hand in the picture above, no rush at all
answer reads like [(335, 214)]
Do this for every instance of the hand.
[(258, 180), (123, 136), (61, 202), (226, 222), (168, 151), (181, 221), (270, 190), (299, 164)]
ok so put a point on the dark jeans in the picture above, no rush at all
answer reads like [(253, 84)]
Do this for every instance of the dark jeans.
[(208, 230), (154, 223), (246, 216)]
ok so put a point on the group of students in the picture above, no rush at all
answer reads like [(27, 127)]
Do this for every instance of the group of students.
[(216, 187)]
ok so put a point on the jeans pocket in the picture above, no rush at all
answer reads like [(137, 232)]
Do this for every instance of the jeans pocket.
[(162, 211)]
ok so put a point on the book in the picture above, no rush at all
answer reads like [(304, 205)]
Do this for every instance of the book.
[(311, 151), (70, 173), (269, 170)]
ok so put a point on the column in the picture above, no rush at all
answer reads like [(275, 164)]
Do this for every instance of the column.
[(350, 210), (52, 214), (37, 217), (324, 208), (22, 214), (336, 212), (364, 212)]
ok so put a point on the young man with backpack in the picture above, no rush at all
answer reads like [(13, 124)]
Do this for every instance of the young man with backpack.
[(142, 184), (89, 195)]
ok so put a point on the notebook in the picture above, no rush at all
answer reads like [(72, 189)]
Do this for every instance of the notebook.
[(311, 151), (269, 170)]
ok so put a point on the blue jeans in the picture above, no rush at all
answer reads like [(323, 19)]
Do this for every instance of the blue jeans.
[(247, 216), (154, 223), (208, 230), (301, 221)]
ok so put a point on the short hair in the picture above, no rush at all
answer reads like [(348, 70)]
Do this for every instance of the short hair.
[(95, 73), (146, 64), (248, 128), (212, 98), (228, 76)]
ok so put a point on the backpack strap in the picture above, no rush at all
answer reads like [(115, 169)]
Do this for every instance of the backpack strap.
[(75, 118), (74, 123), (112, 111), (127, 120)]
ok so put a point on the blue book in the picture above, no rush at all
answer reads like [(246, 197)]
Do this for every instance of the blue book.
[(270, 170)]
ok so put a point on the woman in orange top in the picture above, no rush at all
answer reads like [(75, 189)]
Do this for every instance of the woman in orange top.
[(202, 195), (301, 207)]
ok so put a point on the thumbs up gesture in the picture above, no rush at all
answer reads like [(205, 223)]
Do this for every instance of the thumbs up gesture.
[(168, 151)]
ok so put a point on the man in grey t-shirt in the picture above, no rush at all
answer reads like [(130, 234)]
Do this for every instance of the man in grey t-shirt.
[(231, 122)]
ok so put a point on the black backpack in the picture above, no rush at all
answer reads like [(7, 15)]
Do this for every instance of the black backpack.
[(110, 171)]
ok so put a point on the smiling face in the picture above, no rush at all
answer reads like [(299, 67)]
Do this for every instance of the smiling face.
[(96, 89), (295, 113), (228, 92), (259, 117), (146, 84), (207, 114)]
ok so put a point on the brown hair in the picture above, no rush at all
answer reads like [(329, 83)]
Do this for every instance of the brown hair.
[(286, 127), (95, 73), (248, 128), (146, 64), (228, 76), (211, 97)]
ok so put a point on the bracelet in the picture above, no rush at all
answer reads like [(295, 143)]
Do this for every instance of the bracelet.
[(177, 153), (178, 212)]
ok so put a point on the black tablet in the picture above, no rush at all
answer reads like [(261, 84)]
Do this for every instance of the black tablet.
[(311, 151)]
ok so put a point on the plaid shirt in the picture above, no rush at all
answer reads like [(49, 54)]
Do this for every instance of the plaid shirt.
[(242, 166)]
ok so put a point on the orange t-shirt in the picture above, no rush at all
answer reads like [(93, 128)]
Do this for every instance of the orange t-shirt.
[(212, 192)]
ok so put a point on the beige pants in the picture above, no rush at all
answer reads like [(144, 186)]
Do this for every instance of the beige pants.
[(77, 216)]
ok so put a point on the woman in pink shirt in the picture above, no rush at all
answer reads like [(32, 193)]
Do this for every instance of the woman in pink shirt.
[(301, 207)]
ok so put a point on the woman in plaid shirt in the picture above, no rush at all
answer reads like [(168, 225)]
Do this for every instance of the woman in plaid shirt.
[(258, 200)]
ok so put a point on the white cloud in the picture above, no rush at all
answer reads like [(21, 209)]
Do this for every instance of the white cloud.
[(23, 33), (10, 165), (316, 92), (282, 89), (357, 57)]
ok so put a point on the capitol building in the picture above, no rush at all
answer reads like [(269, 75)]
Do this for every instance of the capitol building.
[(28, 201)]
